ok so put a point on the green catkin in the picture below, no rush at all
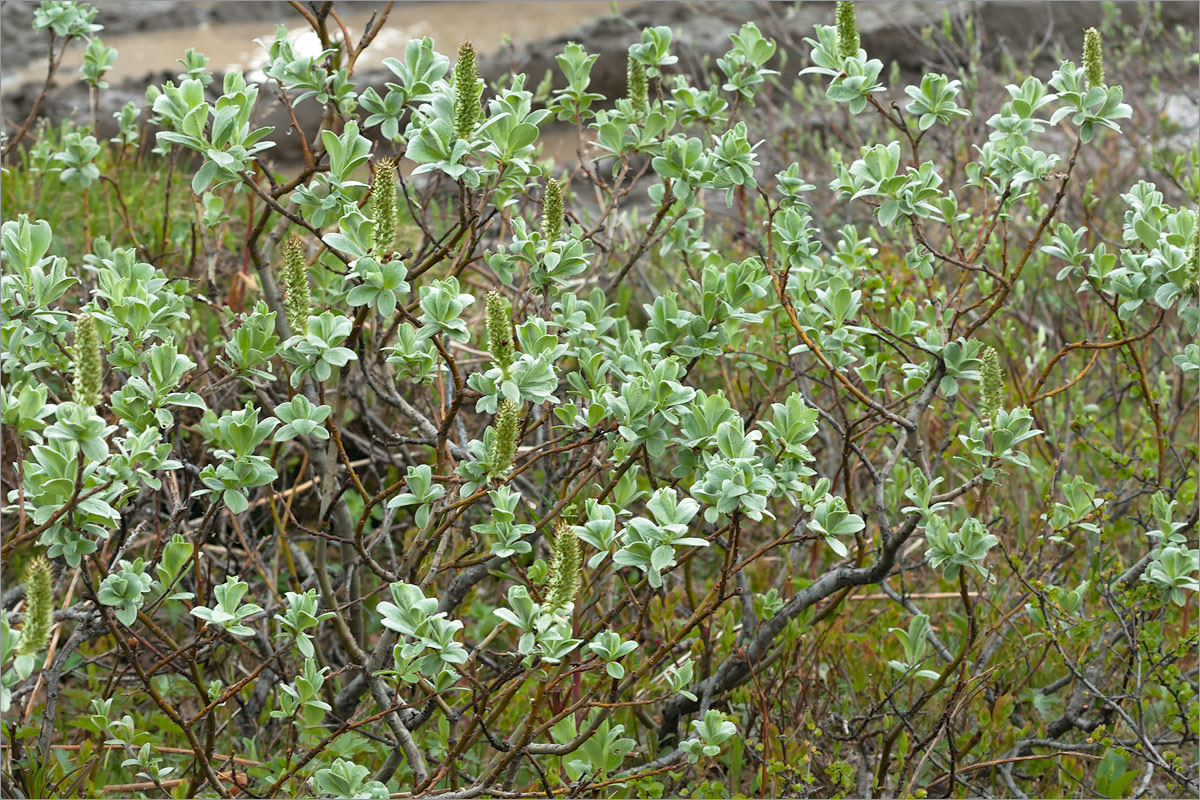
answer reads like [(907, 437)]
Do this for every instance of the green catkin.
[(297, 298), (39, 606), (847, 30), (635, 79), (563, 583), (504, 444), (384, 192), (499, 331), (552, 211), (1193, 261), (89, 363), (991, 396), (467, 91), (1093, 58)]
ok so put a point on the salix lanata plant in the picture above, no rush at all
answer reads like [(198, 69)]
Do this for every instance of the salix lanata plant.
[(518, 477)]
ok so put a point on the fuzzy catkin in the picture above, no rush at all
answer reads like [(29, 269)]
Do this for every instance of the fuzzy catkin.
[(991, 396), (1093, 58), (467, 91), (847, 30), (1192, 261), (504, 444), (635, 80), (384, 192), (89, 362), (563, 583), (552, 211), (499, 331), (39, 606), (297, 298)]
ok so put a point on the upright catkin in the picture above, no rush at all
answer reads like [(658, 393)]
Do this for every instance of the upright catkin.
[(504, 444), (563, 582), (297, 297), (39, 606), (847, 30), (991, 395), (552, 211), (1191, 263), (1093, 58), (1193, 255), (384, 193), (499, 331), (635, 81), (88, 362), (467, 91)]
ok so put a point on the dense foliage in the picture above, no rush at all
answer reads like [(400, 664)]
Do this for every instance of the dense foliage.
[(741, 457)]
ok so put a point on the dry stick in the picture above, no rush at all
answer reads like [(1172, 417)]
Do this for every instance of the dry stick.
[(198, 750), (710, 603), (237, 687), (331, 495), (1147, 746), (158, 748), (786, 301), (37, 104), (647, 239), (734, 671), (374, 26), (1002, 293), (320, 746), (323, 462), (345, 33), (304, 12), (309, 163), (148, 785), (885, 755), (1060, 389), (1084, 344), (331, 501), (83, 630), (124, 209), (912, 596), (301, 487), (1011, 760), (296, 218), (1155, 415)]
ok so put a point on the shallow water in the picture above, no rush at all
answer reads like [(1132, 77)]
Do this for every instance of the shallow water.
[(489, 25)]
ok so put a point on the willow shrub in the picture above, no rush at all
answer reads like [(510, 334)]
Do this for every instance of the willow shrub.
[(635, 478)]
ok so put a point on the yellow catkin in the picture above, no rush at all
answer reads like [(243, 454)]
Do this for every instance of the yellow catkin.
[(1093, 58), (297, 299), (467, 91), (847, 30), (89, 362), (39, 606), (552, 211), (992, 384), (563, 583), (504, 444)]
